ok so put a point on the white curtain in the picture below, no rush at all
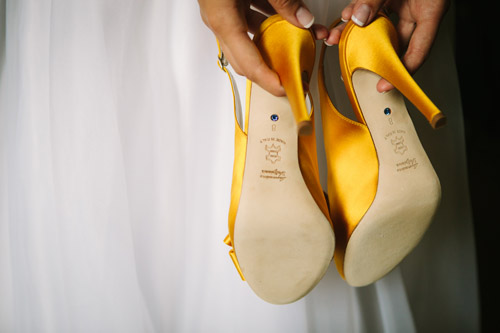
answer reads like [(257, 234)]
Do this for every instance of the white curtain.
[(116, 149)]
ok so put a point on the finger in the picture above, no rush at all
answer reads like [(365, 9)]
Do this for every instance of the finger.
[(383, 86), (346, 14), (405, 29), (294, 11), (246, 60), (427, 20), (364, 11), (320, 31), (419, 46), (334, 36)]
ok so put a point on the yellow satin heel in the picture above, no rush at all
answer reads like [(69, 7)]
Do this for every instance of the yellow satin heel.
[(382, 188), (374, 48), (279, 227), (291, 52)]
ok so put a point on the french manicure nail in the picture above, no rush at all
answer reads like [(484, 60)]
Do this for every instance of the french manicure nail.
[(361, 15), (326, 43), (304, 17)]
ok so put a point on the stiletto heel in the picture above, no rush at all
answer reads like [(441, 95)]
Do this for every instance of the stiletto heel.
[(293, 60), (382, 188), (374, 48), (279, 227)]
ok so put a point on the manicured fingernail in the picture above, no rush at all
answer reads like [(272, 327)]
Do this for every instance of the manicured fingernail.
[(326, 43), (304, 17), (361, 15), (344, 20)]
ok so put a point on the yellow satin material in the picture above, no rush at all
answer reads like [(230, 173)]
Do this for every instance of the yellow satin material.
[(232, 254), (352, 169), (240, 143), (374, 47), (290, 51), (308, 161)]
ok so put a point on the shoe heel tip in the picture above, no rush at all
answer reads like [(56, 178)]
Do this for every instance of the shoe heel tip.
[(438, 121)]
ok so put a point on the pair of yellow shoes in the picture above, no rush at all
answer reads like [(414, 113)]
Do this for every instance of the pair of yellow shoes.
[(382, 188)]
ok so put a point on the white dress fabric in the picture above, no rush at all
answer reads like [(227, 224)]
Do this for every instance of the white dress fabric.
[(116, 151)]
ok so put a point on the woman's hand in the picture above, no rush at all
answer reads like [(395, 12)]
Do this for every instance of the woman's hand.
[(417, 27), (231, 20)]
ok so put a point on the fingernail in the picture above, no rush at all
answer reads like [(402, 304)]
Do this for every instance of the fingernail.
[(361, 15), (344, 20), (304, 17), (326, 43)]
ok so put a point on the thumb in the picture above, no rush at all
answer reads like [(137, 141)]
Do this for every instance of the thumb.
[(294, 11), (364, 11)]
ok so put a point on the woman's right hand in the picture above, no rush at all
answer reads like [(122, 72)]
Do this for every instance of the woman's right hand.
[(231, 20), (417, 27)]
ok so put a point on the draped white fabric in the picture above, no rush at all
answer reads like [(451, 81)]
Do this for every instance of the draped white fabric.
[(116, 147)]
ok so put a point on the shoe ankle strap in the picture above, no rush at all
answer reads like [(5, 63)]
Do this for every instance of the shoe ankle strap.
[(223, 64)]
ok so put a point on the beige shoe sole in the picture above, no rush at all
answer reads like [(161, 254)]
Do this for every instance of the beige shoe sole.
[(408, 191), (283, 242)]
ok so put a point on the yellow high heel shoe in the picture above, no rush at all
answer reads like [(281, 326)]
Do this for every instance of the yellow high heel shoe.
[(279, 224), (382, 188)]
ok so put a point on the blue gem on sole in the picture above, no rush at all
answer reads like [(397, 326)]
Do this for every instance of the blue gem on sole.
[(387, 111), (275, 117)]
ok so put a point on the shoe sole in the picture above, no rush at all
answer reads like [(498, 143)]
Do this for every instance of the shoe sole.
[(283, 241), (408, 190)]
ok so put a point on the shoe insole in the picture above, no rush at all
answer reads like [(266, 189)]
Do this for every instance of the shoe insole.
[(282, 240), (408, 189)]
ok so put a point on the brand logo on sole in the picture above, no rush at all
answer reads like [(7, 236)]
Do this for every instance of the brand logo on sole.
[(399, 145), (273, 174), (273, 153)]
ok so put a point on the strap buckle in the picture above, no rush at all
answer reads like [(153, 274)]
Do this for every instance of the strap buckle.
[(222, 61)]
